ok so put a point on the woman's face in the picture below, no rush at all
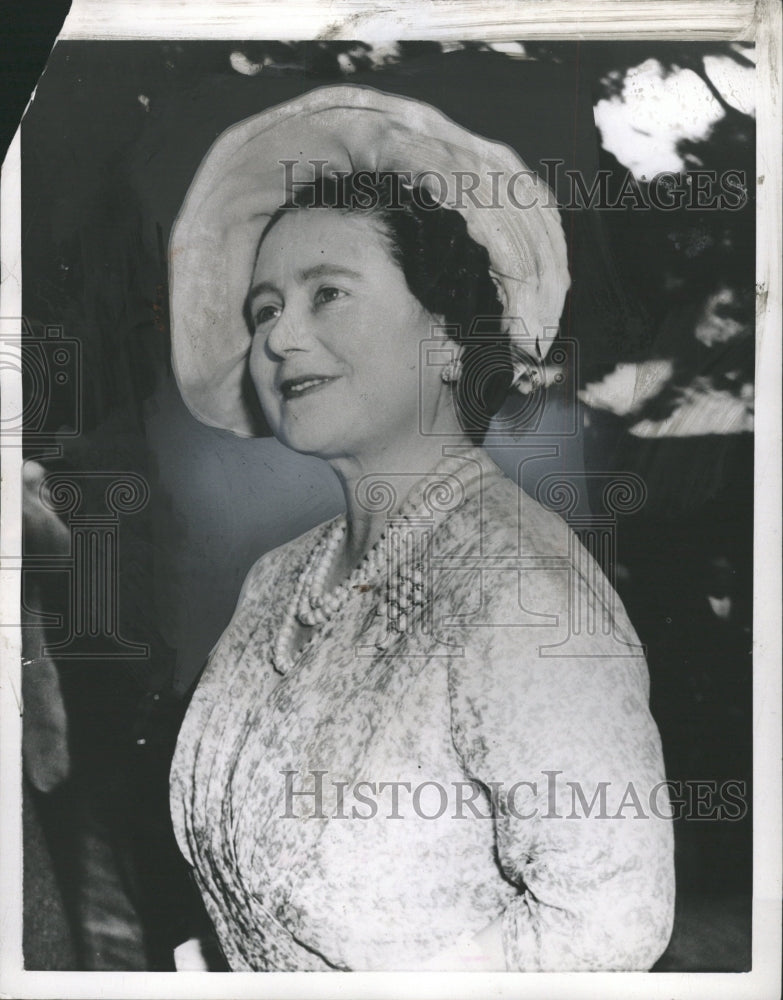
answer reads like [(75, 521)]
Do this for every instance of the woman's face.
[(335, 354)]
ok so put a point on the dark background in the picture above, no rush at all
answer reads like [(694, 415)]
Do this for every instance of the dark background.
[(109, 147), (28, 29)]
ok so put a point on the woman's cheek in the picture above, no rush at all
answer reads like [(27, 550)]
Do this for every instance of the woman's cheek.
[(267, 397), (260, 375), (271, 406)]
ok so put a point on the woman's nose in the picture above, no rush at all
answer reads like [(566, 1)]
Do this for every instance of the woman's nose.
[(289, 332)]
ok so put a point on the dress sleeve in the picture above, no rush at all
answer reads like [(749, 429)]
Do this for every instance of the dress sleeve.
[(567, 750)]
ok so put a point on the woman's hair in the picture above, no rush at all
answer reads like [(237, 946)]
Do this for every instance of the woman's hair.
[(444, 268)]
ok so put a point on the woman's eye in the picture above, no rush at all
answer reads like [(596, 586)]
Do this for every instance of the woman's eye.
[(265, 314), (327, 294)]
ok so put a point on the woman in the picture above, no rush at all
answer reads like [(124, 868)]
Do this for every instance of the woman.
[(388, 763)]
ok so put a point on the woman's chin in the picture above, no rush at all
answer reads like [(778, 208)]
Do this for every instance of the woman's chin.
[(308, 441)]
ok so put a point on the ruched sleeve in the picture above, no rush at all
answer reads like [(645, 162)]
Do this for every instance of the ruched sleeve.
[(566, 748)]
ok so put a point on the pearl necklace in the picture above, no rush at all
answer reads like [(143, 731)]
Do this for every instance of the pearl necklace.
[(314, 607)]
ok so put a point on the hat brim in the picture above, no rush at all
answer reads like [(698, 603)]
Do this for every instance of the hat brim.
[(242, 182)]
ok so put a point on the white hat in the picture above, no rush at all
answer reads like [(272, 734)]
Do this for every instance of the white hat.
[(242, 182)]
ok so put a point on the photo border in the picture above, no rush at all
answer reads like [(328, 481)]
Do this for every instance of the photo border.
[(682, 20)]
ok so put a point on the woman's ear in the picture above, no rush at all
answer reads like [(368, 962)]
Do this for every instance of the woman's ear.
[(450, 350), (452, 369), (440, 329)]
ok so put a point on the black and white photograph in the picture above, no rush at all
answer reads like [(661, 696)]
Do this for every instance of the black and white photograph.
[(387, 455)]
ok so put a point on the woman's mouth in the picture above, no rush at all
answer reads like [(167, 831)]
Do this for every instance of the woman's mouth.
[(293, 388)]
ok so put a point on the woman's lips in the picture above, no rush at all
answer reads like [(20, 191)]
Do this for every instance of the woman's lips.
[(303, 385)]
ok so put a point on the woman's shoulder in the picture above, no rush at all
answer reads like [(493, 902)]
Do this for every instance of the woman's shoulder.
[(502, 521), (258, 603), (285, 558), (515, 519), (534, 584)]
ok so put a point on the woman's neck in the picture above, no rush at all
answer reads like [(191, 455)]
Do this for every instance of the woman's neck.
[(375, 488)]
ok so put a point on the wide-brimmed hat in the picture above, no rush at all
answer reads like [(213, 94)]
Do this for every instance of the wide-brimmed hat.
[(247, 175)]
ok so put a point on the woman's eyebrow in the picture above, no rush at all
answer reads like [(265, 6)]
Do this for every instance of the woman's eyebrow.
[(326, 270), (260, 288), (316, 271)]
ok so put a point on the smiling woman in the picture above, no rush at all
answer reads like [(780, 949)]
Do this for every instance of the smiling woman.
[(336, 369), (417, 641), (409, 248)]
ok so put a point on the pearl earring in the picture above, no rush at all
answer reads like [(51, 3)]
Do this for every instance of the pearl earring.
[(451, 372), (528, 381)]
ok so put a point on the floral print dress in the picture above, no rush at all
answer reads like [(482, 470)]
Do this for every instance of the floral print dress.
[(395, 790)]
